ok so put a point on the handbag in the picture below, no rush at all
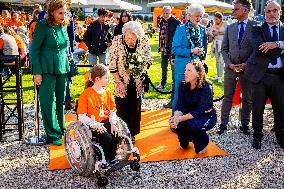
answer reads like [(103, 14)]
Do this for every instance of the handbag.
[(73, 69)]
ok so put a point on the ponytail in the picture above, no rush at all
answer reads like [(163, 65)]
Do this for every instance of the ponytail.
[(89, 83)]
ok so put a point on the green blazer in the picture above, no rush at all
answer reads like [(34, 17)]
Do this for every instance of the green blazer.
[(49, 49)]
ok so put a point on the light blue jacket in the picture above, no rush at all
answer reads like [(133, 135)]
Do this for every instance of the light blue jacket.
[(181, 49)]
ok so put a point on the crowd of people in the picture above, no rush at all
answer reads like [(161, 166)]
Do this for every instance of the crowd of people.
[(245, 50)]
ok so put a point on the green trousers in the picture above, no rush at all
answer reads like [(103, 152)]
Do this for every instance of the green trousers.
[(52, 96)]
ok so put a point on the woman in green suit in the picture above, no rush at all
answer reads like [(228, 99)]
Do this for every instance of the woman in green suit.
[(49, 66)]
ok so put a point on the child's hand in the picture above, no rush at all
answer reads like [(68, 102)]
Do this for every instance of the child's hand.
[(101, 129), (114, 130)]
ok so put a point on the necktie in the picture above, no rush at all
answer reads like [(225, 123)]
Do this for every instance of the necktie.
[(274, 38), (241, 32)]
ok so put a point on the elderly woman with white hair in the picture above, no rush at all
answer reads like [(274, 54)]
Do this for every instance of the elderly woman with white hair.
[(189, 43), (130, 57)]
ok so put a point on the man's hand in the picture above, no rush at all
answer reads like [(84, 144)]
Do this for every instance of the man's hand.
[(241, 67), (265, 47), (37, 79)]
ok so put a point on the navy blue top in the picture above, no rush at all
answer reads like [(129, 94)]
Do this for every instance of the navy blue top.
[(195, 101)]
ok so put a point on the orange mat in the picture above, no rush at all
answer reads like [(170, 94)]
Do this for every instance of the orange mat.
[(155, 142)]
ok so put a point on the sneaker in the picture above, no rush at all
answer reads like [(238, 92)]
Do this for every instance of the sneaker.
[(160, 86), (57, 142), (219, 79), (215, 78), (168, 105), (113, 162)]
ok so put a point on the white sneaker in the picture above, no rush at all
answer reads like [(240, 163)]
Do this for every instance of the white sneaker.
[(160, 86), (215, 78), (219, 79)]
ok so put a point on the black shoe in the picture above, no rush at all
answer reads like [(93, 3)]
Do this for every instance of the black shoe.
[(174, 130), (222, 129), (133, 140), (168, 105), (256, 144), (281, 143), (245, 129)]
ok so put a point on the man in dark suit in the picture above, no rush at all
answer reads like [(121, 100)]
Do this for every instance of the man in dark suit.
[(167, 25), (266, 73), (237, 51)]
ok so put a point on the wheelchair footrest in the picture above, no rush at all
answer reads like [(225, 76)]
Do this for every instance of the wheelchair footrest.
[(118, 166)]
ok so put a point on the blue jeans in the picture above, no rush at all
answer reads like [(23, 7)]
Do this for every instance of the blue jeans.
[(67, 91), (93, 59), (76, 53), (178, 79)]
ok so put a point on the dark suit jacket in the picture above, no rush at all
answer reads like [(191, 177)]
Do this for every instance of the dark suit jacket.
[(231, 52), (256, 69)]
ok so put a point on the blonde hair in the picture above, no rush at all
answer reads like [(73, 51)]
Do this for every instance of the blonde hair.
[(53, 5), (199, 67)]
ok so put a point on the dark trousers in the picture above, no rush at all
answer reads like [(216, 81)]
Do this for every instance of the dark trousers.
[(166, 58), (107, 141), (229, 90), (271, 86), (129, 109), (194, 130)]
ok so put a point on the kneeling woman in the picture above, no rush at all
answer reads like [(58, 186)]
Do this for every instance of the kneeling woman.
[(194, 113), (96, 104)]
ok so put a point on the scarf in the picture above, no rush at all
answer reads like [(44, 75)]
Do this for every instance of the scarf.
[(193, 37)]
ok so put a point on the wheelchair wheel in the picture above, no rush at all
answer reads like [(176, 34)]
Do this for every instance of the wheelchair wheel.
[(135, 165), (79, 151), (102, 181), (123, 145)]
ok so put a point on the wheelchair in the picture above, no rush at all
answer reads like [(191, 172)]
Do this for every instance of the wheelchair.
[(86, 156)]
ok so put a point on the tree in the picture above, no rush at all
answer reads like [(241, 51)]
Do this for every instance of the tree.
[(78, 12), (5, 6)]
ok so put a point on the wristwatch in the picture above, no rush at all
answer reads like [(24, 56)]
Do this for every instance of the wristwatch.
[(277, 43)]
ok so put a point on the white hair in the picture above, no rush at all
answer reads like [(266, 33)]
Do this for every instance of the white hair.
[(169, 8), (194, 8), (134, 27)]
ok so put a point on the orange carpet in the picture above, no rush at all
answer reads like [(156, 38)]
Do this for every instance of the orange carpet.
[(155, 142)]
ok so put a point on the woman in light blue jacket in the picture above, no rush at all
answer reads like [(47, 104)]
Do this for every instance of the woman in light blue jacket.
[(190, 42)]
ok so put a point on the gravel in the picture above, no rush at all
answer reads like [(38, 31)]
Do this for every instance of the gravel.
[(23, 166)]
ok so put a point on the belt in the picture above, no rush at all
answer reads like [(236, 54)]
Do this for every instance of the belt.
[(275, 71)]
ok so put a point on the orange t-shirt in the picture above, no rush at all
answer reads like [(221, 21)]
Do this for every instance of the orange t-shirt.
[(32, 29), (5, 21), (1, 20), (16, 23), (82, 45), (92, 103), (1, 43), (88, 22), (19, 41)]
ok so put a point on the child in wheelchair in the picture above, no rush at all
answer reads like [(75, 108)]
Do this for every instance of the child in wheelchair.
[(99, 142), (96, 108)]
